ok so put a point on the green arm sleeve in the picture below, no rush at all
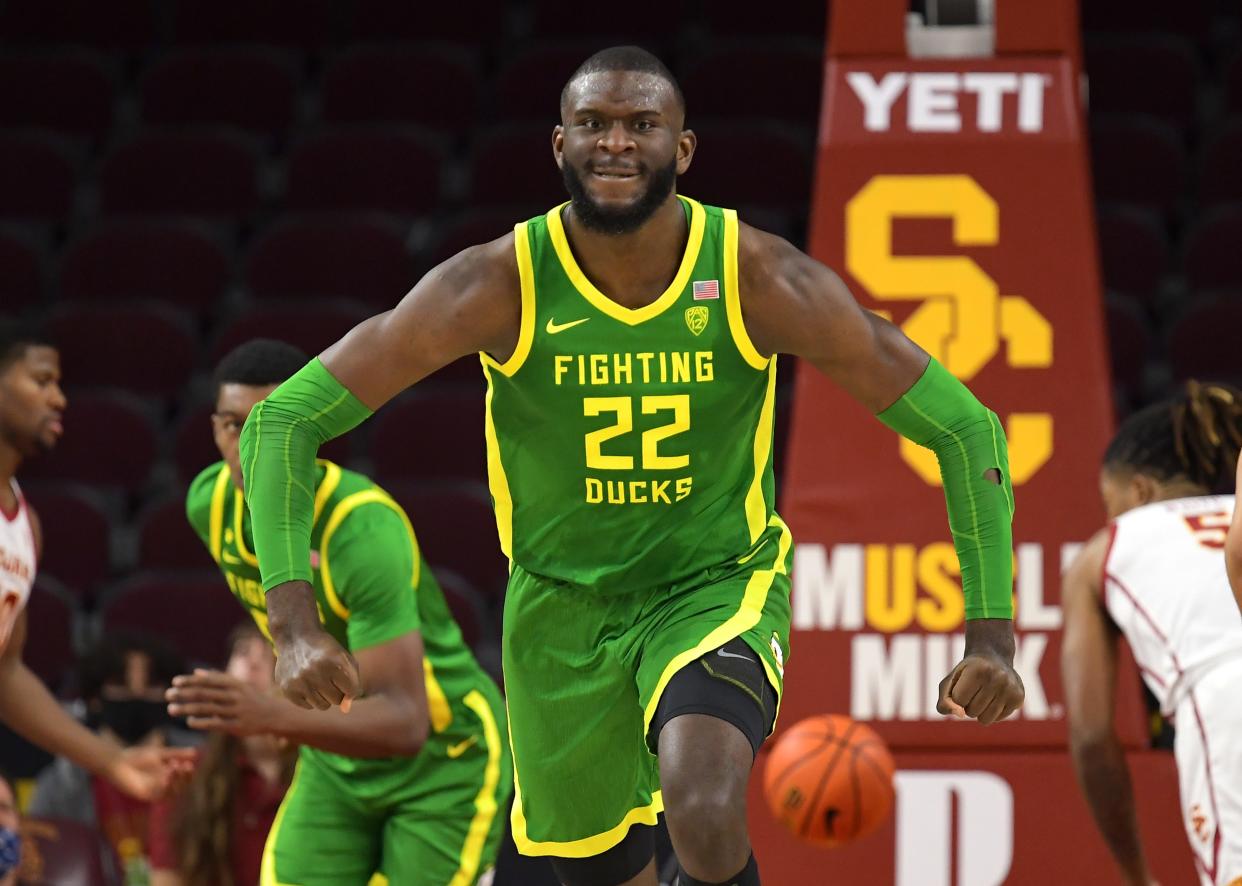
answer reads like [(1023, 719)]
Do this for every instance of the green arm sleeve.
[(373, 566), (940, 413), (278, 446)]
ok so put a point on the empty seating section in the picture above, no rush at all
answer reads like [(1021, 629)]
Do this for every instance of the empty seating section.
[(37, 178), (387, 169), (250, 88), (66, 92), (208, 173), (434, 86)]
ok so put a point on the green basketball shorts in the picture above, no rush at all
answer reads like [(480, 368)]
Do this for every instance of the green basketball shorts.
[(584, 674), (436, 821)]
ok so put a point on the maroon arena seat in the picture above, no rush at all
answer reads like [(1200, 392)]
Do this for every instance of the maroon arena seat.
[(1134, 250), (78, 536), (529, 86), (385, 21), (464, 604), (165, 260), (66, 92), (475, 226), (1137, 160), (1191, 18), (1220, 175), (745, 18), (513, 164), (1129, 342), (21, 269), (1233, 85), (643, 21), (300, 24), (393, 170), (36, 178), (763, 166), (430, 435), (310, 325), (165, 538), (145, 349), (51, 613), (192, 610), (361, 257), (109, 441), (780, 80), (428, 86), (1143, 75), (117, 24), (1213, 259), (204, 173), (456, 527), (252, 89), (1203, 342)]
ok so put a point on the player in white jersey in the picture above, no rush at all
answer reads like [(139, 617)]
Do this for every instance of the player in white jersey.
[(1156, 574), (1233, 548), (31, 409)]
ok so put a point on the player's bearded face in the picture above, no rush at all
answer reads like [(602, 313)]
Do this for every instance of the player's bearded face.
[(32, 404), (622, 219)]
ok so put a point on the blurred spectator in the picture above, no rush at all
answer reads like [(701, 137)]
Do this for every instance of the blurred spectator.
[(213, 835), (10, 835), (122, 682)]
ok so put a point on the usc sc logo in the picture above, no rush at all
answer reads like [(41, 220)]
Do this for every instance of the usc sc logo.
[(963, 319)]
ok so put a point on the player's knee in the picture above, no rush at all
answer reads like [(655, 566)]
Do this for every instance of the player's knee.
[(709, 803)]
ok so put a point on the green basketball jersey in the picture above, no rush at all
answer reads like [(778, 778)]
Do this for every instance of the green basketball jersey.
[(371, 585), (630, 448)]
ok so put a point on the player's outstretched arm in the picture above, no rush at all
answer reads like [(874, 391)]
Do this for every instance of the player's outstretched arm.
[(1233, 545), (468, 304), (793, 304), (390, 718), (1089, 674)]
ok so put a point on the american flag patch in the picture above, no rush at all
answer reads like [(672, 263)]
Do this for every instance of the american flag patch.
[(705, 289)]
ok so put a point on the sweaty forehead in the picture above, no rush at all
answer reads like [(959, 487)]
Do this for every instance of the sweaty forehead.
[(621, 92)]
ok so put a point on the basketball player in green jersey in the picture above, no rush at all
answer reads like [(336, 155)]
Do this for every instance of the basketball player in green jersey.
[(628, 338), (413, 781)]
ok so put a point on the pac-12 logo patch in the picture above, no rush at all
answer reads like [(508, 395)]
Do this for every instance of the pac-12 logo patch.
[(696, 318)]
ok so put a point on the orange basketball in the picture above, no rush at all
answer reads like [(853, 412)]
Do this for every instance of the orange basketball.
[(829, 780)]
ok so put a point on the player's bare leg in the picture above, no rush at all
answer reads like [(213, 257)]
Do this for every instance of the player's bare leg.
[(705, 765)]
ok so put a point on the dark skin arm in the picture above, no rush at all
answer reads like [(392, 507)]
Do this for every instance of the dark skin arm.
[(389, 720), (33, 713), (1089, 673), (1233, 547), (470, 303), (794, 305)]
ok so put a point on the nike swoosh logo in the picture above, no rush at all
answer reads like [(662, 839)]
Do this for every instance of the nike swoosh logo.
[(553, 327), (229, 558), (751, 555), (456, 750), (724, 654)]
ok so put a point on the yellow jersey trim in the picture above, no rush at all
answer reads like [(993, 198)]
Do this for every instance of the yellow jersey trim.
[(437, 702), (239, 511), (746, 617), (497, 482), (733, 298), (526, 329), (588, 290), (485, 802), (224, 482), (587, 846), (342, 510), (756, 507), (327, 486), (267, 868)]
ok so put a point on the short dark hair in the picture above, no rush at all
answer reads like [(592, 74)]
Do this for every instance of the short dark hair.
[(1193, 436), (259, 362), (626, 58), (16, 336), (105, 663)]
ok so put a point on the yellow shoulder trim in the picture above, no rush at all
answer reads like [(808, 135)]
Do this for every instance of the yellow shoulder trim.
[(224, 482), (526, 332), (629, 316), (342, 510), (733, 298), (239, 511), (327, 486)]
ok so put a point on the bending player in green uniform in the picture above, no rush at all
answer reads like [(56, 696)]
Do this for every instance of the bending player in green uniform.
[(628, 338), (412, 780)]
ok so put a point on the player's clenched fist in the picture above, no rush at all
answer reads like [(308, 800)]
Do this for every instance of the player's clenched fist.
[(984, 686), (312, 669)]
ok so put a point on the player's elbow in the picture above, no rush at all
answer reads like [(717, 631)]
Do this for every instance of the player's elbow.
[(408, 739)]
